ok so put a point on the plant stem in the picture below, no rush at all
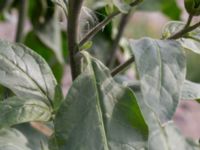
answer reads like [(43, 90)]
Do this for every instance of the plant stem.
[(189, 21), (102, 24), (184, 31), (23, 6), (74, 7), (123, 22), (123, 66)]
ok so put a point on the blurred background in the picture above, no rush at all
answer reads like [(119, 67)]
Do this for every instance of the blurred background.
[(147, 20)]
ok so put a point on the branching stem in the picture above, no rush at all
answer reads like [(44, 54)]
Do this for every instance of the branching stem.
[(102, 24), (123, 66), (123, 22), (184, 31)]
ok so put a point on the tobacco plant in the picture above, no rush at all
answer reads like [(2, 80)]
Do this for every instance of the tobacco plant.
[(99, 112)]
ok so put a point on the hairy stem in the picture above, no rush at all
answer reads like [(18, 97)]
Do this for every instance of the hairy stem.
[(184, 31), (123, 66), (123, 22), (102, 24), (74, 7), (23, 6)]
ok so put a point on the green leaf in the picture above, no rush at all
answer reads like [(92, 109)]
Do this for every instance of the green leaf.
[(168, 7), (58, 98), (162, 67), (15, 111), (162, 136), (98, 113), (167, 137), (190, 41), (190, 91), (25, 72), (34, 138), (50, 34), (53, 145), (12, 139), (33, 42)]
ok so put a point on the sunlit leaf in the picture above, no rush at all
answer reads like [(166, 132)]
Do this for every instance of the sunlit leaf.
[(162, 68), (25, 72)]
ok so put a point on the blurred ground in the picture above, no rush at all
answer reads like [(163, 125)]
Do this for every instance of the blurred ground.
[(187, 116)]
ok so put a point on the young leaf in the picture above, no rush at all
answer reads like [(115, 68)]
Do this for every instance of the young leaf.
[(25, 72), (162, 68), (190, 41), (15, 111), (99, 114), (12, 139)]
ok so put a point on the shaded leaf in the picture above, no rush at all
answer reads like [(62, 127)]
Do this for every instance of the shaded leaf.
[(99, 114), (15, 111), (190, 41), (34, 137), (32, 41), (25, 72), (12, 139), (162, 67), (50, 34)]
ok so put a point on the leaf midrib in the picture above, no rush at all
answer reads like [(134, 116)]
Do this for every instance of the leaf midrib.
[(99, 106)]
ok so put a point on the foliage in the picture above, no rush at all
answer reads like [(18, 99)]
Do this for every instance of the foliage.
[(99, 112)]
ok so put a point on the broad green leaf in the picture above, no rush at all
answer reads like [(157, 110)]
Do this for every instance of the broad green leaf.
[(190, 41), (162, 136), (168, 7), (15, 111), (167, 137), (190, 91), (162, 67), (98, 113), (12, 139), (25, 72), (35, 138), (33, 42)]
